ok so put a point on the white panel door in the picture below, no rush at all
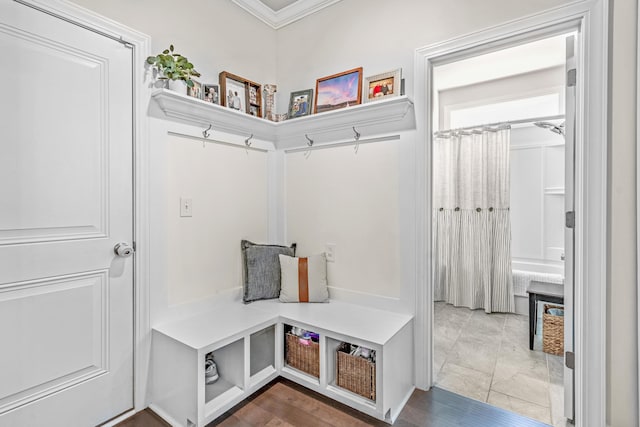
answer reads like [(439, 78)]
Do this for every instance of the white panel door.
[(66, 299)]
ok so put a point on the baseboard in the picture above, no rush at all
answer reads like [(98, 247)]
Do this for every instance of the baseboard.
[(162, 414)]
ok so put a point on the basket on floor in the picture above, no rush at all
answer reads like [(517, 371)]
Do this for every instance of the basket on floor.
[(552, 331), (304, 357), (355, 373)]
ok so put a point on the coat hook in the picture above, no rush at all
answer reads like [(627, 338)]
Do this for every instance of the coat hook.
[(357, 134), (247, 141), (205, 132), (310, 143)]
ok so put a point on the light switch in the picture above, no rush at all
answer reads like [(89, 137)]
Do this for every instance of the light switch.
[(186, 207)]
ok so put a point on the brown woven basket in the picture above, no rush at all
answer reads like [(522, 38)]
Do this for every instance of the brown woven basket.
[(303, 357), (355, 373), (552, 331)]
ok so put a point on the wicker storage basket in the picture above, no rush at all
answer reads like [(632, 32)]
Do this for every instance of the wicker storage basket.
[(355, 373), (303, 357), (552, 331)]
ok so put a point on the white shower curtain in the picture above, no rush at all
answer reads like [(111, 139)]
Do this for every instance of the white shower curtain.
[(472, 226)]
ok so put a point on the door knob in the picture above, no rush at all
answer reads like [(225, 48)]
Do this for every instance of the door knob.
[(123, 250)]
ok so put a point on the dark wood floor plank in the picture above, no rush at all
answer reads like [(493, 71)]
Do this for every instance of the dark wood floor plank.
[(283, 403), (297, 411), (313, 406)]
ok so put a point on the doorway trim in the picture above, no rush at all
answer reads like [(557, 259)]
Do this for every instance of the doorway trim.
[(141, 47), (590, 19)]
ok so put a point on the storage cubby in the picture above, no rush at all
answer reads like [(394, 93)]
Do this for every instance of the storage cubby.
[(356, 369), (262, 360), (302, 350), (253, 344), (349, 372), (230, 363)]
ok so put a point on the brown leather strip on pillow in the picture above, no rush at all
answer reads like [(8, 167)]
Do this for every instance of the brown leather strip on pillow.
[(303, 280)]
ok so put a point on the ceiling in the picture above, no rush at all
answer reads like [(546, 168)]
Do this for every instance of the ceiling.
[(278, 13)]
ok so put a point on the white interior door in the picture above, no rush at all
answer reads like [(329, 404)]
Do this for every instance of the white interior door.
[(66, 299), (570, 116)]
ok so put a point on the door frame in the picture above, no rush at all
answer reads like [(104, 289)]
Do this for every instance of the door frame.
[(590, 18), (141, 47)]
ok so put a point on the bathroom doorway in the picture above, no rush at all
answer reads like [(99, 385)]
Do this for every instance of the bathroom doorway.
[(500, 166)]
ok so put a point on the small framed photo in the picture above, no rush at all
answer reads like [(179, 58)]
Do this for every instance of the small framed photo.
[(338, 90), (300, 103), (253, 95), (211, 93), (383, 85), (240, 94), (196, 90)]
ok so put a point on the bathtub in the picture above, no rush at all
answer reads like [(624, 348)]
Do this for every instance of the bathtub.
[(524, 272)]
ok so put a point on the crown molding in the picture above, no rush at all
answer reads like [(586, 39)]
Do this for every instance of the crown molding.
[(286, 15)]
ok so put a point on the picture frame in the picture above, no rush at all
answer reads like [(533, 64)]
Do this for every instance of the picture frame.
[(196, 90), (211, 93), (339, 90), (384, 85), (240, 94), (300, 103)]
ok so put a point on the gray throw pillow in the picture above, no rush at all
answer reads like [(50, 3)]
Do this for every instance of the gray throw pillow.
[(261, 270)]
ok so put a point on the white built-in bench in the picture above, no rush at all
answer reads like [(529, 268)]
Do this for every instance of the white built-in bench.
[(248, 346)]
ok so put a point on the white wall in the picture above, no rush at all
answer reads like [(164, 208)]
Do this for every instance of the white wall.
[(359, 214), (229, 193), (381, 36), (215, 36), (622, 351), (537, 198), (195, 259)]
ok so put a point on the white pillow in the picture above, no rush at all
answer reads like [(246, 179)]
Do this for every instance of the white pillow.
[(303, 279)]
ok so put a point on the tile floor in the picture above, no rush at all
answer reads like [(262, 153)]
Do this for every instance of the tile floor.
[(486, 357)]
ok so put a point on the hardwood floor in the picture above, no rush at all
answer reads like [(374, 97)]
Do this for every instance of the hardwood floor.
[(284, 403)]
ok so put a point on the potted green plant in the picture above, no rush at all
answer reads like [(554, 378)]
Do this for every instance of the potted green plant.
[(173, 67)]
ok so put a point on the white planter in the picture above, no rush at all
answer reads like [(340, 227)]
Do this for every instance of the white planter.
[(177, 86)]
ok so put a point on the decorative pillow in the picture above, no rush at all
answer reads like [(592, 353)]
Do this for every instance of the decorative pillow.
[(261, 270), (304, 279)]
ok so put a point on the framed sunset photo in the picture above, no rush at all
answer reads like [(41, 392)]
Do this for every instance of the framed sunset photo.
[(338, 91)]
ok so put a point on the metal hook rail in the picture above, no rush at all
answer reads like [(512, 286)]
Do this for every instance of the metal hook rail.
[(343, 144), (215, 141)]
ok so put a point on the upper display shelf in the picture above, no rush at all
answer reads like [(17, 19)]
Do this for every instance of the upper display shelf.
[(374, 118)]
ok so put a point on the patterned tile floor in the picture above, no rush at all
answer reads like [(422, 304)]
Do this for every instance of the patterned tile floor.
[(486, 357)]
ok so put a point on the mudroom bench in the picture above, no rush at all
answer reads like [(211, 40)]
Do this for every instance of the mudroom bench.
[(253, 344)]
